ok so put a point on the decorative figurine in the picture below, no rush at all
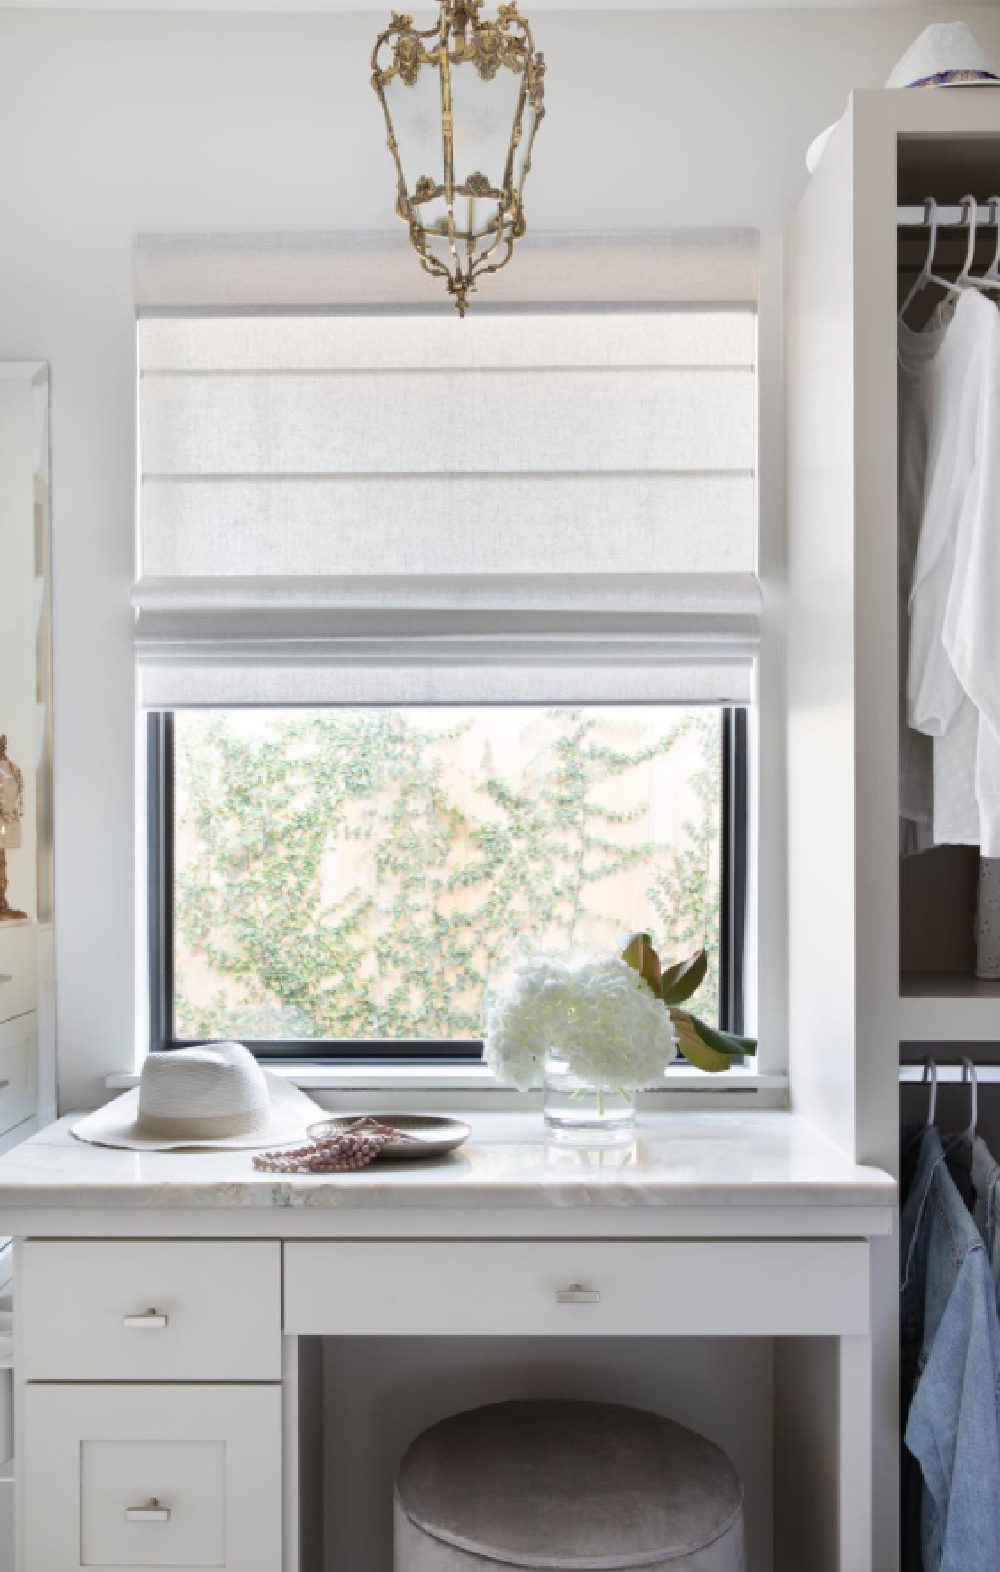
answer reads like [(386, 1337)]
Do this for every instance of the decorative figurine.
[(11, 813)]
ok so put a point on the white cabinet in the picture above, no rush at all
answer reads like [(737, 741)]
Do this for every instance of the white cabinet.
[(18, 969), (18, 1071), (132, 1452), (26, 860), (6, 1416), (18, 1024), (136, 1310), (152, 1476)]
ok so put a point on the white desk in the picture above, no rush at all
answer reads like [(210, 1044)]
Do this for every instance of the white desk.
[(163, 1299)]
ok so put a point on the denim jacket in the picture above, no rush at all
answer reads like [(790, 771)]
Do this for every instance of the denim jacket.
[(986, 1209), (951, 1378)]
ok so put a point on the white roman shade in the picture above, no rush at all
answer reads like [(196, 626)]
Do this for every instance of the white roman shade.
[(346, 499)]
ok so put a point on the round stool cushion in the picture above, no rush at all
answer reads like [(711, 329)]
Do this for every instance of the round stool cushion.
[(568, 1485)]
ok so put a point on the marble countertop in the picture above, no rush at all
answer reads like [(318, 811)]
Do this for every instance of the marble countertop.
[(686, 1159)]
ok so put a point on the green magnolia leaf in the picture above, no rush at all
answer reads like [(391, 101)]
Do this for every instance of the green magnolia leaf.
[(642, 957), (684, 978), (725, 1042), (632, 953), (694, 1048), (705, 1047)]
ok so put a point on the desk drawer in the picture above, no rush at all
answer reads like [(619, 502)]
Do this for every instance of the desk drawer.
[(157, 1477), (542, 1288), (151, 1311), (18, 1071)]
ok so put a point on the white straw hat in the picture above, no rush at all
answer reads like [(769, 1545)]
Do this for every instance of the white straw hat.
[(212, 1097), (945, 55)]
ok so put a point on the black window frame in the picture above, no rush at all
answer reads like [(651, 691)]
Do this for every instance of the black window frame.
[(160, 915)]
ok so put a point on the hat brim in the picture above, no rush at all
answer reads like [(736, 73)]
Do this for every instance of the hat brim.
[(117, 1124)]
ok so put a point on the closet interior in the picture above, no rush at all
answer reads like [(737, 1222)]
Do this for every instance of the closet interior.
[(948, 227), (948, 290)]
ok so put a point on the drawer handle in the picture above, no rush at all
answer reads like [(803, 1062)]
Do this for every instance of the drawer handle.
[(152, 1512), (148, 1321), (576, 1294)]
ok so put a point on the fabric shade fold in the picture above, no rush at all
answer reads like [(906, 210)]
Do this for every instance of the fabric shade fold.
[(327, 486)]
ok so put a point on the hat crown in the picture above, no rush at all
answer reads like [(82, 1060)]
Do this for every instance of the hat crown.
[(212, 1082), (942, 49)]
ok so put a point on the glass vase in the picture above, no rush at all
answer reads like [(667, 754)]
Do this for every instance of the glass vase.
[(575, 1109)]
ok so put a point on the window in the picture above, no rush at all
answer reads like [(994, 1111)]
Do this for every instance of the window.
[(419, 601), (344, 881)]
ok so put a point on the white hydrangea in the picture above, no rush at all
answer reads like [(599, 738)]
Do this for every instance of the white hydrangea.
[(600, 1014)]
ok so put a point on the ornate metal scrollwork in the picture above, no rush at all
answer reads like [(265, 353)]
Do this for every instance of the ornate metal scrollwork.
[(463, 225)]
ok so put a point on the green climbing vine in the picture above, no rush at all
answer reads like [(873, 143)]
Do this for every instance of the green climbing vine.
[(369, 874)]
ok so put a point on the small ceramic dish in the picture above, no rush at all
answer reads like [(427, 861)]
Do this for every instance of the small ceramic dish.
[(430, 1134)]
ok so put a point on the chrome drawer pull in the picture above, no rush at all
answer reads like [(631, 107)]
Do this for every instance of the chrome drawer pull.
[(576, 1294), (149, 1321), (152, 1512)]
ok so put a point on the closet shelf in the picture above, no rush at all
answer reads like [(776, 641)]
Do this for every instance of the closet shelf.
[(948, 1007)]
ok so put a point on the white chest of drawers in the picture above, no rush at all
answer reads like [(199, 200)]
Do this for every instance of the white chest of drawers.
[(18, 1025), (168, 1304)]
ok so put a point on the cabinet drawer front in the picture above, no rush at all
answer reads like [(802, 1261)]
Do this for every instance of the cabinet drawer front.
[(159, 1477), (539, 1288), (18, 969), (18, 1071), (6, 1415), (151, 1311)]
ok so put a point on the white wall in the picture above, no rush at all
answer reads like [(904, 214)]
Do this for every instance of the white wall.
[(116, 122)]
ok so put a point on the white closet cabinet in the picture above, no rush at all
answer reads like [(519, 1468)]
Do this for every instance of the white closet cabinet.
[(849, 1007), (25, 722), (27, 995)]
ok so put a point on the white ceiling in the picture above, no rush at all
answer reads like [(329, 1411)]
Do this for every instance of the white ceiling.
[(421, 7)]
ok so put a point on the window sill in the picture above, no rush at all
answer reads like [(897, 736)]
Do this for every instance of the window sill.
[(473, 1085)]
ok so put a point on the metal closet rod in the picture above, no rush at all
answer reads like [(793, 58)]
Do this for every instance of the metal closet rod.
[(952, 215), (949, 1074)]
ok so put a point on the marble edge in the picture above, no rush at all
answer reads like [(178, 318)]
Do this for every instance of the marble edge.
[(315, 1192)]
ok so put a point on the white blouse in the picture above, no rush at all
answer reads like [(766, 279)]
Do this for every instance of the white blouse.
[(953, 438)]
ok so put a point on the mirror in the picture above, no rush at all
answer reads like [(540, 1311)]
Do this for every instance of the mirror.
[(27, 996)]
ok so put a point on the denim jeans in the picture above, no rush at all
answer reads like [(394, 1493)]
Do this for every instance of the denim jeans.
[(950, 1379)]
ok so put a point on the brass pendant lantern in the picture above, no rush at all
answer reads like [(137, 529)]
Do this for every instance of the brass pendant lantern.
[(462, 103)]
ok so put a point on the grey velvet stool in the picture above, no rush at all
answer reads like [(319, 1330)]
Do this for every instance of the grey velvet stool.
[(574, 1486)]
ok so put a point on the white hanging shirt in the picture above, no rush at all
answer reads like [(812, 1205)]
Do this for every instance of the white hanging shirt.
[(972, 613), (956, 578)]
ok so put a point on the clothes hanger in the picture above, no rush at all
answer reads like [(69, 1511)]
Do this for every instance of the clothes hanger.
[(991, 278), (965, 278), (931, 1074), (956, 1151), (971, 1079), (927, 274)]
